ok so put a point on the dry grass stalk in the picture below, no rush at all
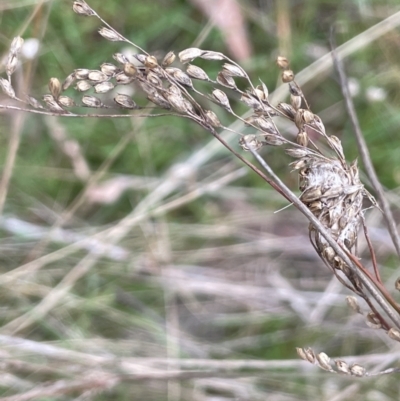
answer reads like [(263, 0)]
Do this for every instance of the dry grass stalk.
[(331, 190)]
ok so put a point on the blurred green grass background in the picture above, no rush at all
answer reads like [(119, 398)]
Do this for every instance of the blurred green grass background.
[(219, 277)]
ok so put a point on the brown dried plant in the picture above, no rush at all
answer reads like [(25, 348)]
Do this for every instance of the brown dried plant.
[(332, 195)]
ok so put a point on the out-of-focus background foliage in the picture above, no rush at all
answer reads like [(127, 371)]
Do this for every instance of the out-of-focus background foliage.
[(139, 260)]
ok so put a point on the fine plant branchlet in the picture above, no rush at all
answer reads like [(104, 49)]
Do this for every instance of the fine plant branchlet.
[(332, 196)]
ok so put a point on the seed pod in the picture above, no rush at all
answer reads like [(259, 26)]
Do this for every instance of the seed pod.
[(357, 370), (221, 98), (212, 119), (154, 79), (7, 88), (12, 63), (55, 87), (175, 90), (264, 88), (226, 80), (272, 139), (210, 55), (80, 7), (308, 116), (83, 86), (299, 164), (151, 62), (266, 125), (177, 102), (91, 101), (197, 72), (311, 194), (110, 34), (34, 102), (302, 138), (287, 76), (168, 59), (301, 353), (109, 69), (182, 78), (103, 87), (282, 62), (297, 152), (233, 70), (295, 101), (66, 101), (130, 70), (52, 104), (187, 55), (373, 321), (310, 355), (122, 79), (159, 100), (315, 206), (295, 89), (259, 93), (97, 76), (287, 110), (394, 334), (125, 101), (16, 45), (353, 303), (248, 142), (328, 253), (68, 81), (333, 192), (81, 73), (336, 144), (342, 367), (251, 101), (120, 58), (324, 361)]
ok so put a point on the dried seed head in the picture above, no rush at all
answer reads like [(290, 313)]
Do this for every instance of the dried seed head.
[(397, 284), (394, 334), (212, 119), (97, 76), (122, 79), (187, 55), (287, 110), (287, 76), (182, 78), (68, 81), (328, 253), (251, 101), (210, 55), (103, 87), (226, 80), (109, 69), (310, 355), (154, 79), (357, 370), (266, 125), (342, 367), (297, 152), (168, 59), (151, 62), (82, 8), (120, 58), (264, 88), (125, 101), (353, 303), (302, 138), (233, 70), (248, 142), (178, 103), (301, 353), (7, 88), (34, 102), (336, 144), (12, 63), (91, 101), (55, 87), (159, 100), (324, 361), (130, 70), (52, 104), (273, 139), (66, 101), (16, 45), (221, 98), (83, 86), (311, 194), (315, 207), (295, 89), (197, 72), (282, 62), (308, 116), (373, 321), (110, 34), (140, 57), (295, 101), (81, 73)]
